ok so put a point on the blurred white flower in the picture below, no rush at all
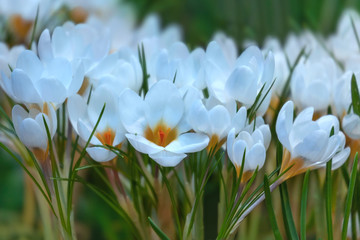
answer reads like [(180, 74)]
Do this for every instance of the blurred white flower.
[(311, 83), (8, 57), (35, 82), (84, 116), (157, 124), (30, 127), (215, 120), (119, 70), (253, 144), (241, 80), (308, 143), (351, 125), (80, 43)]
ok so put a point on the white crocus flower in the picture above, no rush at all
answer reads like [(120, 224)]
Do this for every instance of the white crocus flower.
[(120, 70), (80, 43), (8, 57), (34, 81), (308, 143), (311, 83), (251, 143), (215, 120), (157, 125), (241, 80), (83, 118), (30, 128), (351, 125)]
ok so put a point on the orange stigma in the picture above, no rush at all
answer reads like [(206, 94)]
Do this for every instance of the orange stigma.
[(161, 135), (106, 137)]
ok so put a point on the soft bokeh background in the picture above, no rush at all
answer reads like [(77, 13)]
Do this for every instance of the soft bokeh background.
[(241, 19)]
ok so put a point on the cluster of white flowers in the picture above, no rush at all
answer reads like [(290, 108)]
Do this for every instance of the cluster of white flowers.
[(192, 99)]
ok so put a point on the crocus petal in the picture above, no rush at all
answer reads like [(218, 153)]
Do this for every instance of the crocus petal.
[(164, 102), (100, 154), (30, 64), (351, 125), (24, 88), (143, 145), (132, 112), (313, 145), (51, 90), (188, 143), (255, 157), (44, 46), (167, 159), (284, 124), (219, 120), (31, 134), (241, 85), (76, 107)]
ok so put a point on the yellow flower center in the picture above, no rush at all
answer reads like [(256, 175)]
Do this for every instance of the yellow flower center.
[(106, 137), (20, 26), (161, 135), (215, 143)]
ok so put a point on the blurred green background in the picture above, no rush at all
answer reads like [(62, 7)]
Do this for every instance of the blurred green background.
[(244, 19), (200, 19)]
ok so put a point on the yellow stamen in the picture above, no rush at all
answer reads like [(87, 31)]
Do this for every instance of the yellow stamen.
[(215, 143), (106, 137), (161, 135), (20, 26)]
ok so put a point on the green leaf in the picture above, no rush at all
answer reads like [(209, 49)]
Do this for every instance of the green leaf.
[(355, 32), (270, 209), (355, 95), (172, 198), (328, 204), (349, 197), (157, 230), (287, 214), (304, 193), (34, 27)]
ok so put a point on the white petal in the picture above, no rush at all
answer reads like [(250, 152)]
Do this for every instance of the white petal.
[(84, 131), (143, 145), (24, 88), (239, 149), (219, 121), (51, 90), (284, 123), (304, 116), (313, 146), (30, 64), (132, 112), (31, 134), (351, 125), (18, 115), (100, 154), (255, 157), (340, 158), (265, 130), (167, 159), (188, 143), (76, 107), (164, 102), (230, 144), (44, 46), (241, 85), (328, 122), (198, 117), (239, 120)]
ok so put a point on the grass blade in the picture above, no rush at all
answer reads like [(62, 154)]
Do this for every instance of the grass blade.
[(349, 198), (157, 230), (287, 214), (270, 209), (304, 193), (355, 95), (328, 204)]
